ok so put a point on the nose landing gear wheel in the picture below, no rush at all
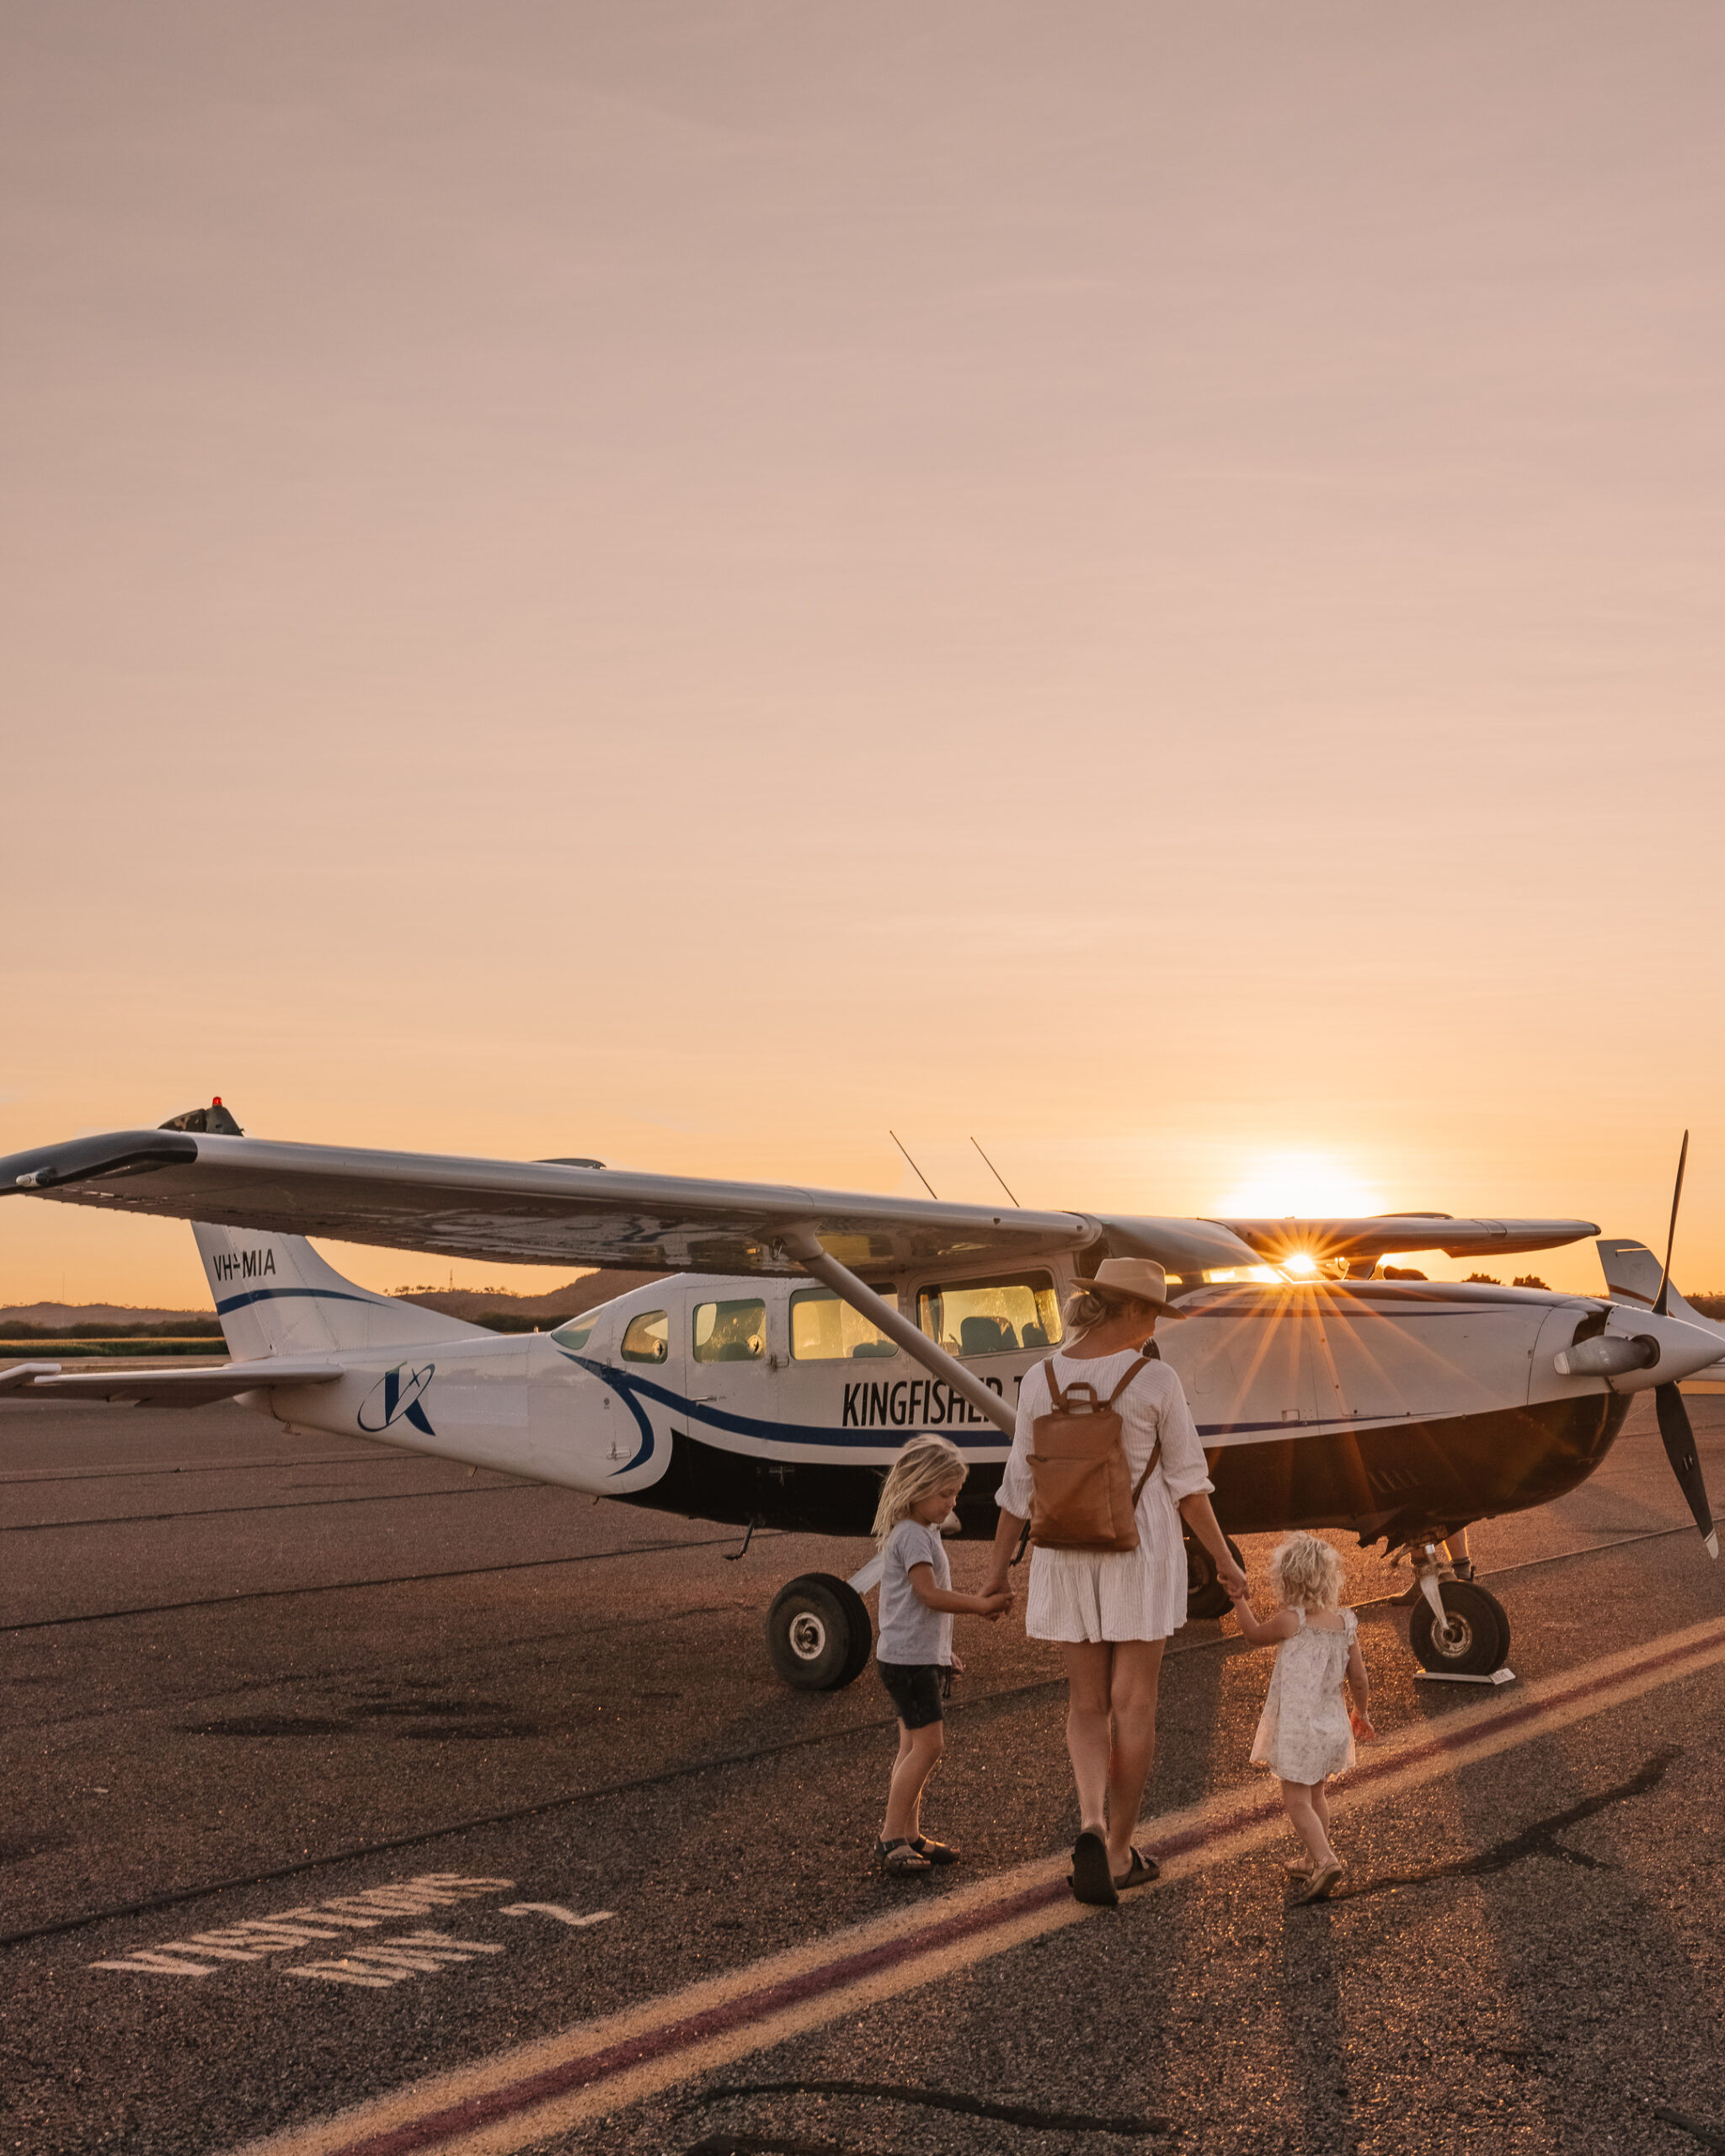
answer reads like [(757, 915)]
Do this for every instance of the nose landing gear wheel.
[(1475, 1637), (818, 1633)]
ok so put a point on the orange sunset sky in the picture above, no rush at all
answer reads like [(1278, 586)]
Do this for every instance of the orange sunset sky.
[(690, 582)]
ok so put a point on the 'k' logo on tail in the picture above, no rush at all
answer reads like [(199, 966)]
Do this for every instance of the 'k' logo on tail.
[(398, 1394)]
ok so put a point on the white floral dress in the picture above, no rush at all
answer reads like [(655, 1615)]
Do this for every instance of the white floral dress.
[(1304, 1734)]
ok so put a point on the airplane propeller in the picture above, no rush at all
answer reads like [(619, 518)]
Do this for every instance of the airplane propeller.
[(1675, 1431)]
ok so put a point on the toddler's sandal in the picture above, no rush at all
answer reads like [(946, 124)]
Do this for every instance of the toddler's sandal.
[(936, 1852), (900, 1858), (1323, 1880)]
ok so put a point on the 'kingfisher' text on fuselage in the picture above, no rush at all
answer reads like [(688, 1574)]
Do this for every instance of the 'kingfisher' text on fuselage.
[(909, 1403)]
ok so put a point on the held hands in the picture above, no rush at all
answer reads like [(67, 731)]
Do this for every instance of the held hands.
[(1361, 1725), (1232, 1579), (993, 1603)]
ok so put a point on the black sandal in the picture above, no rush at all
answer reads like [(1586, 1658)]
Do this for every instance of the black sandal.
[(1093, 1876), (936, 1852), (1139, 1872), (900, 1858)]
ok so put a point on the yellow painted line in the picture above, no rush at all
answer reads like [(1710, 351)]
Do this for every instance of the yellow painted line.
[(500, 2104)]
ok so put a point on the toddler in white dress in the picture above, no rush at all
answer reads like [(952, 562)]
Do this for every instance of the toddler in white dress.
[(1306, 1733)]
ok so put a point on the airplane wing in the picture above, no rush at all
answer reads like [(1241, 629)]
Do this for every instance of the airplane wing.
[(545, 1212), (554, 1212), (167, 1388), (1380, 1235)]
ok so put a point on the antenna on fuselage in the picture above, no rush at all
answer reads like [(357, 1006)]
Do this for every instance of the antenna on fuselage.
[(997, 1174), (921, 1177)]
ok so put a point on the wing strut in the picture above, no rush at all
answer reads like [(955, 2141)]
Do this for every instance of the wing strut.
[(803, 1244)]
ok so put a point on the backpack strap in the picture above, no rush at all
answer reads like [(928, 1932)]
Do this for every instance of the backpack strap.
[(1141, 1364), (1057, 1399), (1156, 1451), (1156, 1454)]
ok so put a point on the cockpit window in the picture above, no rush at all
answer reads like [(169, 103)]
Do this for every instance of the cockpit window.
[(730, 1332), (647, 1339), (991, 1317), (575, 1334), (824, 1330)]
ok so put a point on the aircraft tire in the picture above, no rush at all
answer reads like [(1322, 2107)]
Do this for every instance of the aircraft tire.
[(1480, 1627), (818, 1633), (1206, 1598)]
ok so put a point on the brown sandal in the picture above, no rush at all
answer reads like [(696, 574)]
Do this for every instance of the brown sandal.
[(900, 1858), (1093, 1876)]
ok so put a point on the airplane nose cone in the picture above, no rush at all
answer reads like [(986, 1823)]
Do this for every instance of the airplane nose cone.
[(1637, 1351)]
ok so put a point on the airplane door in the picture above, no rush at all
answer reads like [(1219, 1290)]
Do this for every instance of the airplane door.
[(834, 1352), (1248, 1361), (733, 1368)]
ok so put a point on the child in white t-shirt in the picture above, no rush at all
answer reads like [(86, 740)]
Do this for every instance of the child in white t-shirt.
[(914, 1649)]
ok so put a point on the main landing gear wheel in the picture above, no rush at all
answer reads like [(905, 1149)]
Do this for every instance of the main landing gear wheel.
[(818, 1633), (1475, 1637), (1206, 1598)]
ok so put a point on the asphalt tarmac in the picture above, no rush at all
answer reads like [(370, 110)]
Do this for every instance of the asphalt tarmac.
[(336, 1776)]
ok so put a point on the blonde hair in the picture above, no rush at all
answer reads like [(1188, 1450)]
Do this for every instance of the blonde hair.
[(1085, 1308), (920, 1469), (1306, 1573)]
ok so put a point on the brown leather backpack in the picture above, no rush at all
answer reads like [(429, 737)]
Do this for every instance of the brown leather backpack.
[(1084, 1499)]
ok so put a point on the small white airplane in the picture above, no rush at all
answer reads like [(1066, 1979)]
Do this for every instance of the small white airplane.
[(799, 1336)]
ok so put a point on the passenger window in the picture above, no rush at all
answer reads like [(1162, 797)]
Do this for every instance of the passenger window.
[(730, 1332), (647, 1339), (825, 1330), (991, 1317)]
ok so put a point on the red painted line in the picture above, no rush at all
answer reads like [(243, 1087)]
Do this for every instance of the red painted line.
[(472, 2112), (1370, 1770)]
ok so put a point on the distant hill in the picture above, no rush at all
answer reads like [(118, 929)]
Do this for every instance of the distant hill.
[(483, 1305), (59, 1315), (494, 1307)]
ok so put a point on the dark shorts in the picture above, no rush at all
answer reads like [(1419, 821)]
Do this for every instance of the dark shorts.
[(914, 1689)]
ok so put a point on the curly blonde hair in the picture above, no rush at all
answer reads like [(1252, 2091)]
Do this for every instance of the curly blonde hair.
[(924, 1464), (1306, 1573)]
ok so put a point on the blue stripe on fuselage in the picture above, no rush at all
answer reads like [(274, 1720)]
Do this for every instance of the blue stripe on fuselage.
[(813, 1433)]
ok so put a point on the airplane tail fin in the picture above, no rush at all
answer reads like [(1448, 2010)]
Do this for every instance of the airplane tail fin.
[(276, 1296), (1632, 1276)]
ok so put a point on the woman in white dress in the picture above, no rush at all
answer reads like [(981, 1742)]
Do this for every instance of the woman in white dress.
[(1111, 1611)]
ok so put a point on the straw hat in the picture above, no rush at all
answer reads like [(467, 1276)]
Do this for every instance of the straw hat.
[(1133, 1279)]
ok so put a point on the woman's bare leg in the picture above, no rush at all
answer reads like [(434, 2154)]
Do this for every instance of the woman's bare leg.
[(1088, 1672), (1132, 1697)]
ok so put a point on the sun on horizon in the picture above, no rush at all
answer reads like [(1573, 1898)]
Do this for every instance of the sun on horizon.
[(1307, 1185)]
